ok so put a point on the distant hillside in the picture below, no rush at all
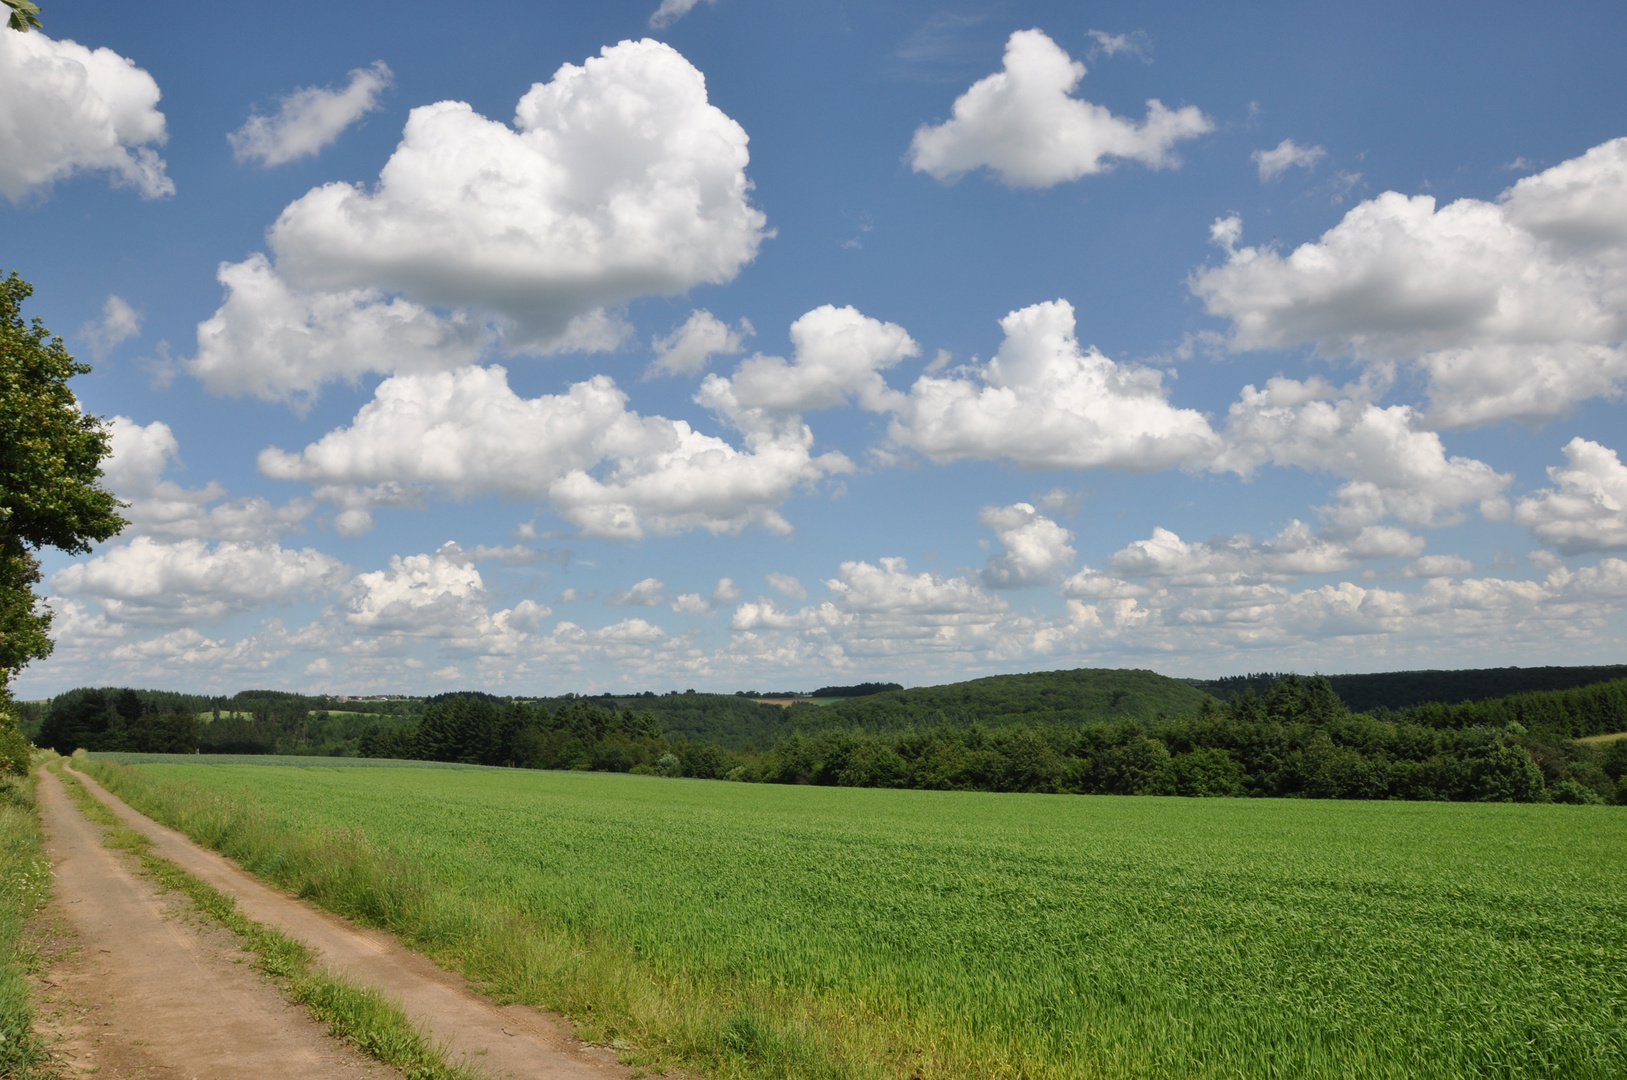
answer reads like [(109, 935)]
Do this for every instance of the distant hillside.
[(1083, 695), (1402, 689), (730, 721)]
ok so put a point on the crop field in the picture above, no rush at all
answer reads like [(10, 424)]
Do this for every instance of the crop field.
[(824, 932)]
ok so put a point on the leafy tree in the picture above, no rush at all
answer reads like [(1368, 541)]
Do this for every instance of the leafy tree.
[(23, 15), (50, 468), (15, 752)]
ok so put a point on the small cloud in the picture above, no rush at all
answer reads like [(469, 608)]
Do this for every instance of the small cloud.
[(856, 242), (671, 11), (726, 591), (1439, 566), (1520, 164), (1287, 155), (1136, 43), (788, 586), (1062, 501), (119, 322), (310, 118), (320, 666), (1543, 559), (569, 596), (646, 593), (1226, 232), (1342, 184), (702, 336), (353, 522), (690, 603)]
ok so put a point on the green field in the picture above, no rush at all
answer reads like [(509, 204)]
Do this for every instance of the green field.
[(754, 930)]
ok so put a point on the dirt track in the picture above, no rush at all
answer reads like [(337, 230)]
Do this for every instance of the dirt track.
[(154, 976), (152, 992)]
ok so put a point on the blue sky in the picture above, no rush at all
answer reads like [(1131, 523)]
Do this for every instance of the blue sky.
[(547, 347)]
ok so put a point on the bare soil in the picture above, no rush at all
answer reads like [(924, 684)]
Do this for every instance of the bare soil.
[(505, 1042), (147, 990)]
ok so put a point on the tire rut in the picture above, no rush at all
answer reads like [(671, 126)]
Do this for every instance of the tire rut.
[(505, 1042), (154, 990)]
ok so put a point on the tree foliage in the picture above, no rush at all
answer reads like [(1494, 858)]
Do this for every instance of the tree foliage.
[(50, 472), (23, 15)]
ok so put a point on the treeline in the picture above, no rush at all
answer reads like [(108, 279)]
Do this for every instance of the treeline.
[(1588, 710), (1297, 741), (251, 722), (1082, 696), (1396, 690), (578, 734)]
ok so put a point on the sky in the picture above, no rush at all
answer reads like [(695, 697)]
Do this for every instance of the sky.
[(545, 347)]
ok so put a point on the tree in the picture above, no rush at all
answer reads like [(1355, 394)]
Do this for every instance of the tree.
[(23, 15), (50, 472)]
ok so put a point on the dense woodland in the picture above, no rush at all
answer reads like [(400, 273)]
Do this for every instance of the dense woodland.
[(1089, 731), (1401, 689)]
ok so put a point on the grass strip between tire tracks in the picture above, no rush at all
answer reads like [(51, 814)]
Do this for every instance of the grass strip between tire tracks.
[(372, 1022)]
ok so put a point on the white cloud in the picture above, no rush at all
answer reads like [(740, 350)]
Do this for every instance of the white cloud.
[(618, 180), (279, 344), (1514, 309), (890, 589), (134, 470), (1392, 464), (1586, 510), (1439, 566), (1043, 402), (1023, 124), (725, 591), (1294, 552), (119, 322), (646, 593), (437, 595), (69, 109), (1287, 155), (787, 586), (148, 580), (702, 336), (839, 356), (671, 11), (690, 603), (1136, 43), (605, 469), (1033, 546), (310, 118)]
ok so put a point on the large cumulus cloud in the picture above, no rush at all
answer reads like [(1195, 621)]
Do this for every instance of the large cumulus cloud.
[(71, 109), (1514, 309)]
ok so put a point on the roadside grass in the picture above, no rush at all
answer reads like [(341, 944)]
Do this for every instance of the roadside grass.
[(25, 888), (831, 934), (377, 1026)]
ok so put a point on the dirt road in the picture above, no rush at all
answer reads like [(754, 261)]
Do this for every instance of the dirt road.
[(155, 992), (504, 1042)]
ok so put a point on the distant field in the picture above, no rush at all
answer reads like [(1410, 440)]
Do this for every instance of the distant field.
[(826, 932), (1597, 739)]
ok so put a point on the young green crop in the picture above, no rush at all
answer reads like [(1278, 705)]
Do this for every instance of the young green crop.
[(780, 931)]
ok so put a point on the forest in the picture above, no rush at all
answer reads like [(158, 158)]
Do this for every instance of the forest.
[(1087, 732)]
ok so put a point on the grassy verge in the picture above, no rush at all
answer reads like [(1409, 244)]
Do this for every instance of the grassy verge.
[(25, 886), (377, 1026)]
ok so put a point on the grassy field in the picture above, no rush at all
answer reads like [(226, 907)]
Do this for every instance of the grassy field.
[(25, 883), (750, 930)]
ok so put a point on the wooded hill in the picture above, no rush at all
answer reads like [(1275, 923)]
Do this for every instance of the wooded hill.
[(1402, 689)]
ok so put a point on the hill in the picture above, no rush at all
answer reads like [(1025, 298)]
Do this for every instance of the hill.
[(1079, 696), (1402, 689)]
